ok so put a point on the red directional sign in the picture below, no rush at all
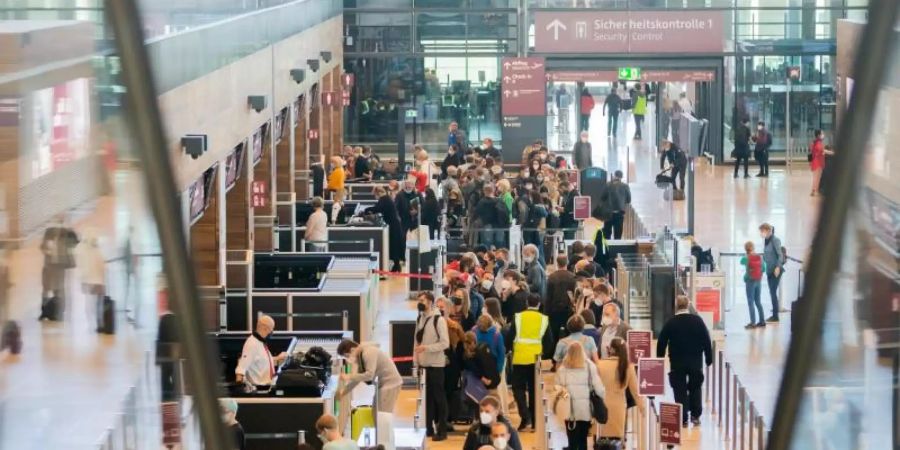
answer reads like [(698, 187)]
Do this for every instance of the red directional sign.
[(345, 97), (328, 98), (639, 344), (347, 80), (652, 376), (670, 423), (523, 85), (312, 134)]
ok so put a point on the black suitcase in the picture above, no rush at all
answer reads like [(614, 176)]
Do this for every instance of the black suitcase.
[(108, 316), (11, 338), (299, 383), (50, 309)]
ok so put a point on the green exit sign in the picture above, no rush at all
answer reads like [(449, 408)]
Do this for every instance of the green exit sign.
[(630, 73)]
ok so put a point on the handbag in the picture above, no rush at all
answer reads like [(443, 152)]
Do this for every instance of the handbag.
[(561, 403), (475, 388), (629, 399), (809, 157), (608, 444), (598, 407)]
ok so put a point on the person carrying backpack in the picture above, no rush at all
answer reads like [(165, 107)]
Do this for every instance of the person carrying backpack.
[(755, 268)]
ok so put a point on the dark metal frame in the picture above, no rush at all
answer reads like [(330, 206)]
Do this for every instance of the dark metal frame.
[(852, 138)]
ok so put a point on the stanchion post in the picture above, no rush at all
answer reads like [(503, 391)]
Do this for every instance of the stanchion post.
[(760, 433), (752, 422), (726, 411), (742, 394), (720, 362), (734, 409)]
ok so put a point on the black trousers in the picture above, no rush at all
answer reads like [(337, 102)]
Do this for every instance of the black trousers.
[(742, 155), (773, 282), (435, 402), (578, 436), (523, 391), (558, 321), (585, 121), (687, 385), (762, 158), (612, 228), (612, 123), (678, 171), (638, 120)]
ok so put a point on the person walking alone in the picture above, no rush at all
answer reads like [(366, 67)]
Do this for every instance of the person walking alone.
[(774, 259), (817, 152), (582, 152), (616, 198), (687, 340), (639, 110), (612, 105), (755, 268), (587, 105)]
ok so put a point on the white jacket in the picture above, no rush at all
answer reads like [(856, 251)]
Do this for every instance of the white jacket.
[(578, 382), (91, 263)]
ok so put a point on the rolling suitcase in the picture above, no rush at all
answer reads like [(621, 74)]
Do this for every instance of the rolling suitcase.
[(360, 418), (11, 338), (50, 309), (108, 316)]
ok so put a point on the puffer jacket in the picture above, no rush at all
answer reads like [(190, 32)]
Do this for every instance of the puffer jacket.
[(579, 381)]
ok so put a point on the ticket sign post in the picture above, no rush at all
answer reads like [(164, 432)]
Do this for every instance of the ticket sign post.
[(670, 423), (652, 377), (582, 208), (639, 342)]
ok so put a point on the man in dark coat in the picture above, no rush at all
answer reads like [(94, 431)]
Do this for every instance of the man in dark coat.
[(396, 234), (560, 293), (687, 339), (582, 152)]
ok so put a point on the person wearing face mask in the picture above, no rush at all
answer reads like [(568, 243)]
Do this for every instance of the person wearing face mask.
[(500, 434), (515, 295), (370, 362), (388, 210), (450, 183), (336, 178), (406, 201), (455, 356), (611, 326), (567, 210), (480, 432), (431, 339), (774, 259), (486, 287), (328, 432), (501, 259), (582, 152), (762, 141), (229, 409), (257, 365), (619, 381), (602, 295), (535, 276), (487, 150)]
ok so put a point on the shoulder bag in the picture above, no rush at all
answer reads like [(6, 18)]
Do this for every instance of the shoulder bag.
[(598, 407)]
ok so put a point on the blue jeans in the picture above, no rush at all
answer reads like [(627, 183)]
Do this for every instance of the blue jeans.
[(753, 292)]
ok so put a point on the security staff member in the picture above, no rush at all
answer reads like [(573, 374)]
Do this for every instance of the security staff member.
[(257, 365), (432, 338), (530, 338), (371, 362), (677, 160)]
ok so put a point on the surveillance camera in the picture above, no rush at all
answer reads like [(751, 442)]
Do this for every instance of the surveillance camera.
[(194, 145), (257, 102), (326, 56), (298, 75), (313, 64)]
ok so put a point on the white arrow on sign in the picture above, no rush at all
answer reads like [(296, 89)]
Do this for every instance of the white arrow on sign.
[(506, 65), (556, 25), (506, 93)]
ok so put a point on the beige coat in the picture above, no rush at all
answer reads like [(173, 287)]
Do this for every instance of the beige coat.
[(615, 397)]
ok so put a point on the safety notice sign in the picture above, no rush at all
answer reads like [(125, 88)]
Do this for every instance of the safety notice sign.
[(670, 423), (639, 344), (582, 207), (652, 376)]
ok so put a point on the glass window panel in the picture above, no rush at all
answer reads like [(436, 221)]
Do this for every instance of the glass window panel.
[(379, 32)]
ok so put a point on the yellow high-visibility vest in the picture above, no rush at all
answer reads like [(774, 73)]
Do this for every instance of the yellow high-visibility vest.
[(530, 328)]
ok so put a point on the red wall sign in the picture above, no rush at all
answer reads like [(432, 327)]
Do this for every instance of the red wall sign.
[(709, 300), (582, 209), (646, 75), (345, 97), (523, 85), (670, 423), (260, 194), (652, 376), (629, 32), (347, 80), (171, 424), (639, 342), (312, 134)]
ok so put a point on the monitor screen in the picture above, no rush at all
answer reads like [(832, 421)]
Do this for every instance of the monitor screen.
[(233, 165), (257, 145)]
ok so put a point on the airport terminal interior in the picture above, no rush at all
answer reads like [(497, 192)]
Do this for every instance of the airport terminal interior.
[(392, 224)]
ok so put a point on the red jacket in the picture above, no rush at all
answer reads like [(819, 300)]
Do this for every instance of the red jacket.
[(421, 180), (587, 104)]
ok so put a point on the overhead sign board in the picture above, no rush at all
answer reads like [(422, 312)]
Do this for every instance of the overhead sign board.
[(523, 84), (629, 31), (645, 75), (652, 376)]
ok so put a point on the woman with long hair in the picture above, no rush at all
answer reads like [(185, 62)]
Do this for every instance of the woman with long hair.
[(462, 308), (492, 309), (618, 376), (579, 376)]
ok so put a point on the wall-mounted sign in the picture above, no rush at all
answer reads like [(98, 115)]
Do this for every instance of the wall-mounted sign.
[(312, 134), (328, 98), (630, 73), (629, 32), (347, 80), (259, 191)]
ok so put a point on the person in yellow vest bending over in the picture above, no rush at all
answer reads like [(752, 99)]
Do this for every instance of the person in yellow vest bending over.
[(530, 338)]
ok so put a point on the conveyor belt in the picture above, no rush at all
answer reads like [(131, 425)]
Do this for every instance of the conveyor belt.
[(344, 284)]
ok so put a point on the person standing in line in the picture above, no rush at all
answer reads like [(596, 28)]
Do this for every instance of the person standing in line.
[(535, 276), (742, 147), (560, 295), (618, 377), (587, 105), (457, 137), (388, 210), (762, 142), (372, 362), (774, 259), (486, 211), (579, 376), (431, 212), (57, 245), (316, 233), (677, 114), (611, 326), (431, 340), (489, 416), (687, 340), (817, 152), (612, 104), (330, 435), (531, 338), (582, 151), (755, 267), (639, 110), (616, 198)]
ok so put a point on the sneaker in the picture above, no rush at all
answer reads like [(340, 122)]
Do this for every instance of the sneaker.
[(760, 175), (523, 425), (695, 421), (749, 326), (774, 319), (746, 176), (439, 437), (684, 424), (761, 325)]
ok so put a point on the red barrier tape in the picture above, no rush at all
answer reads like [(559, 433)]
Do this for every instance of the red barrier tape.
[(404, 274), (402, 359)]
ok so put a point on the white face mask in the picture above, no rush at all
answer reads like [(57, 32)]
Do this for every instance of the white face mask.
[(528, 259), (323, 437), (598, 301), (500, 443), (486, 418), (486, 284), (606, 321), (529, 187), (759, 128)]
